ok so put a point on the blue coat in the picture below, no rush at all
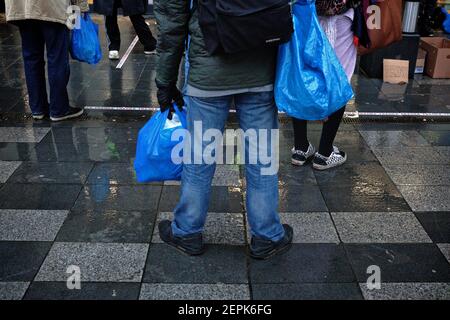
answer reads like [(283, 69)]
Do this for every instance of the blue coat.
[(129, 7)]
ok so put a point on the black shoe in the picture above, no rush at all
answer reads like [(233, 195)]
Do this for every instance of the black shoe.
[(191, 245), (41, 116), (264, 249), (71, 114), (151, 49), (299, 157), (336, 159)]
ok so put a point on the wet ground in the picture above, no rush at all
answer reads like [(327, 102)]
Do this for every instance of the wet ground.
[(68, 196)]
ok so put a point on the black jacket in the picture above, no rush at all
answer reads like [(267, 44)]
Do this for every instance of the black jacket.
[(129, 7)]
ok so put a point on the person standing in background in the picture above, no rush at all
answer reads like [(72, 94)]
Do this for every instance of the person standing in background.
[(336, 18), (135, 10), (426, 13), (44, 25)]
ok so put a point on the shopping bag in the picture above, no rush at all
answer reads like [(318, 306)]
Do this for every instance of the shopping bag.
[(311, 83), (85, 45), (154, 158)]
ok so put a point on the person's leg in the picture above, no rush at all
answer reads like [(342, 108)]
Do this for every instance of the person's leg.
[(143, 32), (33, 50), (57, 40), (258, 114), (190, 214), (330, 129), (112, 29), (303, 150), (300, 134)]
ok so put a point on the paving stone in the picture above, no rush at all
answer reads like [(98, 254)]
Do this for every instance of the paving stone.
[(7, 168), (289, 175), (301, 199), (307, 291), (220, 228), (13, 290), (127, 198), (361, 175), (444, 152), (408, 291), (22, 134), (311, 227), (98, 262), (304, 263), (52, 172), (399, 262), (82, 135), (12, 151), (108, 226), (379, 227), (364, 198), (30, 225), (67, 152), (419, 174), (161, 291), (394, 139), (20, 261), (38, 196), (445, 249), (88, 291), (113, 174), (406, 155), (436, 224), (427, 198), (220, 264), (437, 138)]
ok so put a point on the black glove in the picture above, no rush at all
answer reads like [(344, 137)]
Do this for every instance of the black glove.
[(177, 97), (167, 96)]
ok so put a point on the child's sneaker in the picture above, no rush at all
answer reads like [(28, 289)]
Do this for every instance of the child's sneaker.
[(299, 157), (335, 159)]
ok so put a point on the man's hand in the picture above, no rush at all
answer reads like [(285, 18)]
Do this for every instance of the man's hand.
[(167, 96)]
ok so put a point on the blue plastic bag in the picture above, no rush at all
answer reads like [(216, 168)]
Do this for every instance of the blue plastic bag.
[(311, 84), (446, 23), (85, 46), (154, 160)]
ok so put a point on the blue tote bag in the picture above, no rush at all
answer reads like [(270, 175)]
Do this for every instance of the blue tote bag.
[(85, 46), (154, 160), (311, 83)]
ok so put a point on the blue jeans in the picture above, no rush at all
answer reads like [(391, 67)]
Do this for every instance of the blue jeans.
[(255, 111), (36, 36)]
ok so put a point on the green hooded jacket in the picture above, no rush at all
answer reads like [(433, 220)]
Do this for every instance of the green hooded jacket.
[(219, 72)]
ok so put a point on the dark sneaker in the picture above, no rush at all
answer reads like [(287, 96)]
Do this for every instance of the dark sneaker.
[(151, 50), (336, 158), (191, 245), (264, 249), (39, 116), (71, 114), (299, 157)]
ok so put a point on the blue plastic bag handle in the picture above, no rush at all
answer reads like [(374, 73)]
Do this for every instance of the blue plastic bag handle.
[(180, 115)]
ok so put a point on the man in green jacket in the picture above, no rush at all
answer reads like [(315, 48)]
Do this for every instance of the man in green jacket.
[(45, 25), (214, 83)]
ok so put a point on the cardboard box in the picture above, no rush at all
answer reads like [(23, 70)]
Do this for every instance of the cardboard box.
[(438, 56), (420, 63), (395, 71)]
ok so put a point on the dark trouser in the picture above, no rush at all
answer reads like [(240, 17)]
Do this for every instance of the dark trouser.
[(426, 16), (36, 36), (139, 24), (330, 129)]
